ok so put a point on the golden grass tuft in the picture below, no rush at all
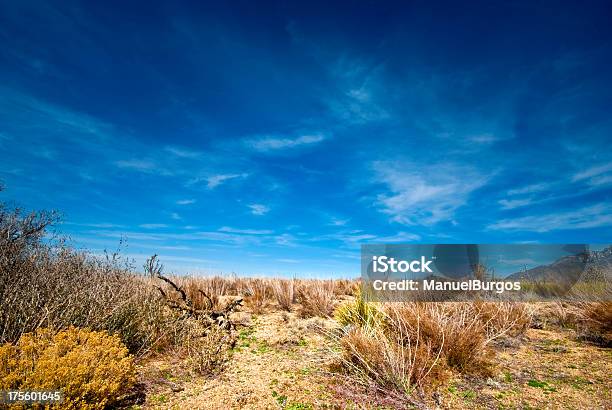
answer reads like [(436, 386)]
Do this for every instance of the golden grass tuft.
[(414, 345), (257, 294), (284, 292), (595, 322), (317, 298)]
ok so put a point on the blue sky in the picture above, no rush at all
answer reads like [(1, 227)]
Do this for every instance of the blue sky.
[(270, 138)]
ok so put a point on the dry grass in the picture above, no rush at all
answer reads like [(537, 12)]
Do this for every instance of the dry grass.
[(395, 360), (346, 287), (284, 292), (48, 284), (595, 322), (554, 314), (258, 294), (207, 351), (407, 345), (317, 298), (591, 320), (402, 347), (503, 319)]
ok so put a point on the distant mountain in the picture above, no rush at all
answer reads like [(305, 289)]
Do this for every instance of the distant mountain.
[(601, 258), (567, 268)]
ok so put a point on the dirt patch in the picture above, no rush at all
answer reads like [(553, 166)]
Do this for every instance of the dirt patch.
[(548, 370), (282, 361)]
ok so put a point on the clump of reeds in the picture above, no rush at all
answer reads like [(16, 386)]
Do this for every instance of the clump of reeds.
[(317, 298), (414, 345), (284, 292), (594, 322), (257, 294)]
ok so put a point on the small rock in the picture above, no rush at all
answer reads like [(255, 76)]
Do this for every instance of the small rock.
[(177, 388), (437, 399), (493, 383)]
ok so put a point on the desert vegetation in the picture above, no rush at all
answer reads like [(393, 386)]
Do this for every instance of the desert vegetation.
[(412, 345), (94, 369), (142, 336)]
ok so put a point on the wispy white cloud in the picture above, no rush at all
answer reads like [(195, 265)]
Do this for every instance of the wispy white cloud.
[(600, 180), (153, 226), (587, 180), (265, 144), (102, 225), (153, 166), (529, 189), (352, 238), (185, 201), (246, 231), (514, 203), (399, 237), (360, 85), (175, 216), (183, 152), (50, 127), (214, 181), (137, 165), (219, 237), (359, 93), (259, 209), (588, 217), (596, 175), (71, 125), (338, 222), (425, 195), (483, 138), (163, 247), (287, 260), (285, 239)]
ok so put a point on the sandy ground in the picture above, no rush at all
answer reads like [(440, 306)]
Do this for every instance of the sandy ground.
[(548, 370), (280, 361), (283, 362)]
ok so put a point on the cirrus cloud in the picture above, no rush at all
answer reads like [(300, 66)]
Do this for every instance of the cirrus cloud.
[(425, 195), (259, 209), (266, 144), (587, 217)]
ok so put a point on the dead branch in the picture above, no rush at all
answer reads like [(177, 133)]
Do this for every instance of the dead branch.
[(208, 315), (233, 305), (177, 288), (208, 299)]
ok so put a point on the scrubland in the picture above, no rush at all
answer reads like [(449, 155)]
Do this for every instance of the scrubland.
[(109, 336)]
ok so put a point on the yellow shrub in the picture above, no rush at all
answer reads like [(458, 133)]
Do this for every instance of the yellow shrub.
[(92, 369)]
